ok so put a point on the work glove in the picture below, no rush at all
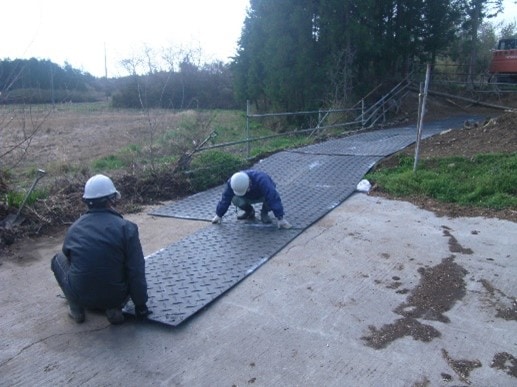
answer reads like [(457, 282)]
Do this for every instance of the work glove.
[(141, 312), (217, 219), (282, 223)]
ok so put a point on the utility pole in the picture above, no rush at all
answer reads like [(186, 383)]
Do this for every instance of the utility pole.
[(105, 63)]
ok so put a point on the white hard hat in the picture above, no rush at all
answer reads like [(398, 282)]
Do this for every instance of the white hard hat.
[(99, 186), (240, 183)]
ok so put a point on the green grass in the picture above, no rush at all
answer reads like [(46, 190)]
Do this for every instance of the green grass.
[(226, 127), (15, 198), (211, 168), (485, 181), (108, 163), (277, 143)]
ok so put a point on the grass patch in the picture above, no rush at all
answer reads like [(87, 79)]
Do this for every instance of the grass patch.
[(211, 168), (485, 181), (108, 163), (15, 198)]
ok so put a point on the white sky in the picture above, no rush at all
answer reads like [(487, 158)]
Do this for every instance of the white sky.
[(79, 31), (510, 12)]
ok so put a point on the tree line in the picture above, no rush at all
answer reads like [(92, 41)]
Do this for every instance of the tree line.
[(301, 54), (209, 86), (42, 81), (292, 55)]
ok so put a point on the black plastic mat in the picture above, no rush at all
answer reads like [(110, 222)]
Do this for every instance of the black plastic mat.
[(186, 276), (309, 185)]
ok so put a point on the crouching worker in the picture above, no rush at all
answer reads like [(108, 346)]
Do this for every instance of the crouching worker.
[(102, 264), (249, 187)]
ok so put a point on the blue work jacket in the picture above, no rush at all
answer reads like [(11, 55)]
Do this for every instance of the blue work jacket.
[(261, 186)]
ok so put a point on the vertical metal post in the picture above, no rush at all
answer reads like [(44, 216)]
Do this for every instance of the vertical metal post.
[(248, 129), (421, 113), (362, 113)]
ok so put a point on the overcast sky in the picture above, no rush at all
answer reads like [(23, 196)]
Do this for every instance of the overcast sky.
[(82, 32), (79, 31), (510, 12)]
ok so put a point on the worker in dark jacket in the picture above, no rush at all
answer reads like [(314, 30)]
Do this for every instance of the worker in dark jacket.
[(102, 264), (246, 188)]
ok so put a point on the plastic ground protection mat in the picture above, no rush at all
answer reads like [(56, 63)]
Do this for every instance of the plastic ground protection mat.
[(309, 185), (383, 142), (286, 170), (188, 275), (377, 143)]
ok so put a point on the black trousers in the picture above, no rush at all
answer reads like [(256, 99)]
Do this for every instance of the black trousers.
[(60, 265)]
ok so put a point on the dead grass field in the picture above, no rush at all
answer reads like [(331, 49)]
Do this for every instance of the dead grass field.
[(75, 135)]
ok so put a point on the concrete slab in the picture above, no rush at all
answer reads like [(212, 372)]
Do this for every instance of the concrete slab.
[(376, 293)]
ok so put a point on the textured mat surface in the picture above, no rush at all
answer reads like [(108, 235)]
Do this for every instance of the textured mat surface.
[(383, 142), (310, 186), (187, 275)]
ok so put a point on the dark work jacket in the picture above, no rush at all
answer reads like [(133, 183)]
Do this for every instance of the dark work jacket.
[(261, 186), (106, 260)]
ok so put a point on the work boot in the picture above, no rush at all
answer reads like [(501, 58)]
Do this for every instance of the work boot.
[(76, 312), (249, 213), (264, 217), (115, 316)]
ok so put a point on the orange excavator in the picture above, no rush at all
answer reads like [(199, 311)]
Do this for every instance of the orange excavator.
[(503, 67)]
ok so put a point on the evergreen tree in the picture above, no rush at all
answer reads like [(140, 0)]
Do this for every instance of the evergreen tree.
[(441, 20), (346, 50), (475, 12), (276, 65), (298, 54)]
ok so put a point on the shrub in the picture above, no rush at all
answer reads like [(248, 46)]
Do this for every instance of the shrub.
[(211, 168)]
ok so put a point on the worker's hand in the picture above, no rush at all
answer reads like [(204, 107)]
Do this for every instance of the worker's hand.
[(217, 219), (282, 223), (141, 312)]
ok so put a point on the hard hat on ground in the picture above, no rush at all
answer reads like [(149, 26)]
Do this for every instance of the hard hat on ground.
[(99, 186), (240, 183)]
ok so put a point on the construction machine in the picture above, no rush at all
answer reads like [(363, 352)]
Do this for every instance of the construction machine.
[(503, 66)]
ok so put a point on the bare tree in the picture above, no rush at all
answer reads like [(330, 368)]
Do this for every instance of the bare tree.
[(18, 125), (190, 133)]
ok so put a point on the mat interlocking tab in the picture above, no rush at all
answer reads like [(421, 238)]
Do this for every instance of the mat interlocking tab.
[(187, 275)]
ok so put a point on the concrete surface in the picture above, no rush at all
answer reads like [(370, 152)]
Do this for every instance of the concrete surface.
[(376, 293)]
